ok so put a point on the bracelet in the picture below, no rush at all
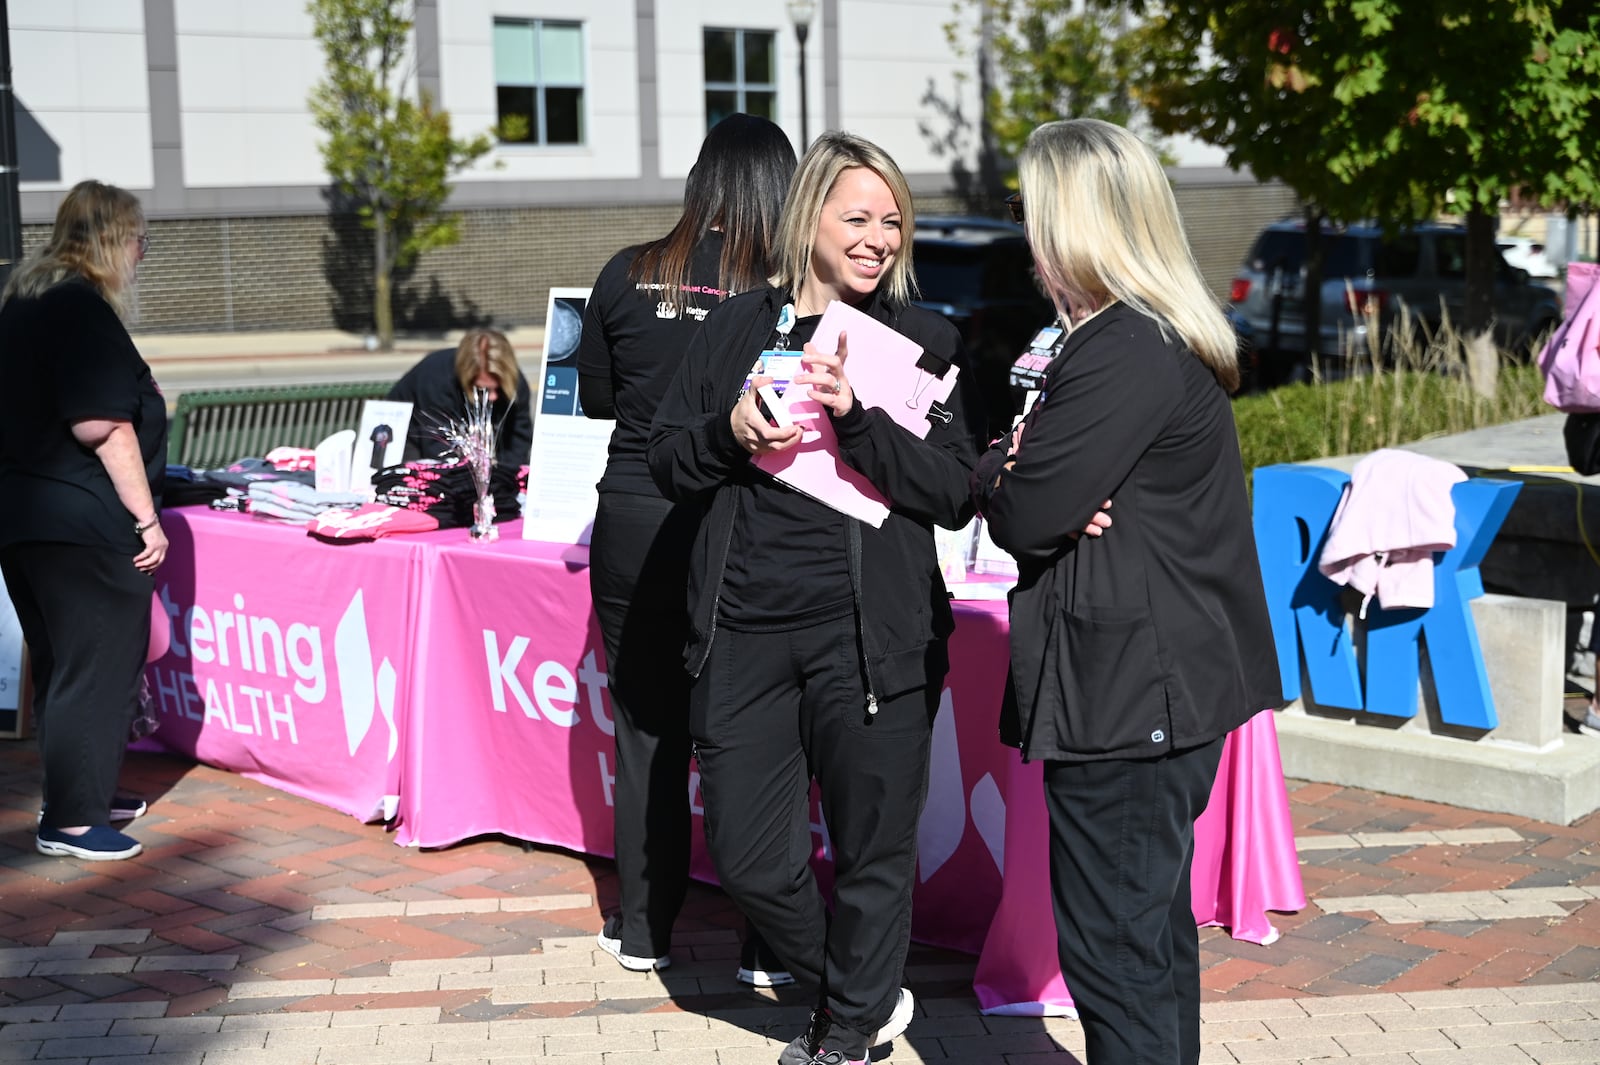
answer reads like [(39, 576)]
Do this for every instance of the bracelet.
[(140, 529)]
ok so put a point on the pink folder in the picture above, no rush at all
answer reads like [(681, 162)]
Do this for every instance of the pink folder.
[(883, 371)]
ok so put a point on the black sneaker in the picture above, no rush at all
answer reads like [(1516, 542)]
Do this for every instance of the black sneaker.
[(759, 966), (806, 1047), (610, 941), (833, 1057), (100, 844)]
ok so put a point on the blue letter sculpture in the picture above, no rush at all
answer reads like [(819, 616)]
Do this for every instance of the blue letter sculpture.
[(1294, 505)]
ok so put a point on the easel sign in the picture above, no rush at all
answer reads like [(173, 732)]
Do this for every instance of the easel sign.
[(13, 671), (569, 449)]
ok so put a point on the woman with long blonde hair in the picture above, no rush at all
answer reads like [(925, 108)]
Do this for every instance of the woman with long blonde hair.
[(1132, 654), (83, 442)]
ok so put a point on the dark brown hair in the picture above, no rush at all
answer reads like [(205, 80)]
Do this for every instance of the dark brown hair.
[(737, 185)]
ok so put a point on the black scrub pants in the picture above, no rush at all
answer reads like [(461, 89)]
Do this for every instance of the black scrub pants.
[(770, 711), (85, 613), (638, 573), (1121, 843)]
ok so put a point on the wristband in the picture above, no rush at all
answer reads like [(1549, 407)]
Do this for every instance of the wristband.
[(140, 528)]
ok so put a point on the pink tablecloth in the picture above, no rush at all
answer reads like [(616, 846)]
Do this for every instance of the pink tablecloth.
[(461, 688)]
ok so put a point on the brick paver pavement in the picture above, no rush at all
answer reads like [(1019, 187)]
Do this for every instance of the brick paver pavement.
[(261, 928)]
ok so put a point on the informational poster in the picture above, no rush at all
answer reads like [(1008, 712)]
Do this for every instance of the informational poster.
[(569, 449), (10, 666), (380, 440)]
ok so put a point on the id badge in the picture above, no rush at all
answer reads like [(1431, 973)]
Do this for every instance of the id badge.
[(781, 366)]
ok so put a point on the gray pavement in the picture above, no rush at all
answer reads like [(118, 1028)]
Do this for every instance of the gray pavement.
[(187, 362)]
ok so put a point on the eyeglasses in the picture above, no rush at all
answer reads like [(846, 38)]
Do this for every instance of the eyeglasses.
[(1014, 202), (144, 242)]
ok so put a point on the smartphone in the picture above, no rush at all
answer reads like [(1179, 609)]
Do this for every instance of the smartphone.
[(772, 407)]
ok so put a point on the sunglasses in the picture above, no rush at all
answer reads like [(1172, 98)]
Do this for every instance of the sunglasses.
[(1014, 203)]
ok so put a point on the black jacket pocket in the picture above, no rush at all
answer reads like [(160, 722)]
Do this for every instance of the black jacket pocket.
[(1113, 697)]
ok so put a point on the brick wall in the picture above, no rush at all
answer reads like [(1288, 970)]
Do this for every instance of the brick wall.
[(313, 272), (1222, 222)]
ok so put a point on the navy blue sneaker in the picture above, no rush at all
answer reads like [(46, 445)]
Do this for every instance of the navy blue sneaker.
[(100, 844)]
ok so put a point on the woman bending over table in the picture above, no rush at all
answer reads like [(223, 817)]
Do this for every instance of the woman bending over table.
[(1132, 654)]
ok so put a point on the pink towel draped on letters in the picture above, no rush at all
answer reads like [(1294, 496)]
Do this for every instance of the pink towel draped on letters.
[(1395, 513)]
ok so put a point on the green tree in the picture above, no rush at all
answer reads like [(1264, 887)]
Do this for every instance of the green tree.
[(391, 154), (1056, 59), (1393, 109)]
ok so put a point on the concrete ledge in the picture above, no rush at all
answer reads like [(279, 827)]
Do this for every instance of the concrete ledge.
[(1559, 784)]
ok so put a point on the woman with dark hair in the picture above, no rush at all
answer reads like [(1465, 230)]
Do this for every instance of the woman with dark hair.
[(83, 444), (646, 306), (1134, 654), (818, 642)]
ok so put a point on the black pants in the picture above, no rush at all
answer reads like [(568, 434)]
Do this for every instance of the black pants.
[(1121, 842), (769, 712), (85, 612), (638, 566)]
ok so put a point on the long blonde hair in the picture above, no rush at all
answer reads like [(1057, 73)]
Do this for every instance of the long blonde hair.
[(93, 227), (829, 156), (487, 350), (1103, 223)]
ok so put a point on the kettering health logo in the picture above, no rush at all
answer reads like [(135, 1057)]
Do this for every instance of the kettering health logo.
[(361, 689), (246, 673)]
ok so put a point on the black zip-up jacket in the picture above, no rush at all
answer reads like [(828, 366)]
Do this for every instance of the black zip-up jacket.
[(902, 608), (1154, 637)]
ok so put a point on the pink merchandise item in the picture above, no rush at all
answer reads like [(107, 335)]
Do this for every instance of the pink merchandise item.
[(885, 372), (367, 523), (1570, 360), (1395, 513), (292, 458)]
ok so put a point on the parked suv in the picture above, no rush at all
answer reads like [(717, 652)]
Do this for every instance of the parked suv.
[(978, 272), (1423, 267)]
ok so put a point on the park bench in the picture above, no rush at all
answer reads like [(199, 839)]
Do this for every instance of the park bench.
[(210, 429)]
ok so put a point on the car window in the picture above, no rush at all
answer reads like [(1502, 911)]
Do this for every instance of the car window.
[(1010, 274), (1398, 257), (948, 273), (1450, 255), (1341, 253)]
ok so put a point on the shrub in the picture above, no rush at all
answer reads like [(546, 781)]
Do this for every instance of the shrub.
[(1422, 389)]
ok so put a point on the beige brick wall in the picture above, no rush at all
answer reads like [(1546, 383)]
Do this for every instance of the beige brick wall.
[(312, 271)]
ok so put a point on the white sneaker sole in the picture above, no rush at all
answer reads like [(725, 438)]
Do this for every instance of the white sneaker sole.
[(631, 962), (764, 977), (898, 1021)]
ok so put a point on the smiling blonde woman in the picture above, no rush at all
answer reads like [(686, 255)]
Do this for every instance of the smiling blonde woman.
[(818, 642)]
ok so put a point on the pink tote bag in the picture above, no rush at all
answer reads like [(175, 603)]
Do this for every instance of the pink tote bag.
[(1570, 360)]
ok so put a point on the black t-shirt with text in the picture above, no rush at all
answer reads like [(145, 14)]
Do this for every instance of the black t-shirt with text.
[(633, 340), (66, 357), (788, 563)]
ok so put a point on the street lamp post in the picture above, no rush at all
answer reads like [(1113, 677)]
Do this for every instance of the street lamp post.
[(10, 209), (801, 13)]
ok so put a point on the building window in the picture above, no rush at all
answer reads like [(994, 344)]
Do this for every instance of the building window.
[(538, 73), (741, 75)]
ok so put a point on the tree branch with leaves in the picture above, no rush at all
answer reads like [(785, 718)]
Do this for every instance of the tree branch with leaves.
[(391, 154)]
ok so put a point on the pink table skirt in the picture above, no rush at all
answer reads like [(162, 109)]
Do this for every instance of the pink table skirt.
[(461, 688), (1244, 866)]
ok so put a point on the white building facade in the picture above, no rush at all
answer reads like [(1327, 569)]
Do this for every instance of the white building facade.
[(200, 107)]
